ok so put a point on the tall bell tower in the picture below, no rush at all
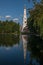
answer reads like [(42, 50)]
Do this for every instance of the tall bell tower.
[(24, 19)]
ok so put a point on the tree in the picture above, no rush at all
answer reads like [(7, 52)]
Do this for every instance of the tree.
[(9, 27), (36, 14)]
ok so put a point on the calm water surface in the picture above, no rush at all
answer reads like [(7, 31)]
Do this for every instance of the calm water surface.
[(16, 50)]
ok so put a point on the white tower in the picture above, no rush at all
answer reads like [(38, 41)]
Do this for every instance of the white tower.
[(24, 19)]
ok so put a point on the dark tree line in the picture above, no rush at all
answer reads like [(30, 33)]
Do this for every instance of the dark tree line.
[(9, 27), (35, 20)]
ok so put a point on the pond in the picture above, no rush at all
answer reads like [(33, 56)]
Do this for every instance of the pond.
[(20, 50)]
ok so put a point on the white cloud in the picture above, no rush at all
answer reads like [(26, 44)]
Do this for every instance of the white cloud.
[(7, 16), (15, 19), (0, 16)]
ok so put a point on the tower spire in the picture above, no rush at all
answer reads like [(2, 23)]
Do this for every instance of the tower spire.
[(24, 6)]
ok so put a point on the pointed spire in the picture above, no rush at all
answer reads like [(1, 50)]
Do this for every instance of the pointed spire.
[(24, 6)]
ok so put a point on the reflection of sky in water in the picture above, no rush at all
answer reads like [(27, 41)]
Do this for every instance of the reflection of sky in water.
[(34, 61), (30, 60), (14, 55)]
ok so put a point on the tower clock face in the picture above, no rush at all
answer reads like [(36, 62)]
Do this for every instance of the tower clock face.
[(25, 21)]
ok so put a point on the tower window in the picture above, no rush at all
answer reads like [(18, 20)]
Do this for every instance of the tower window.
[(25, 18)]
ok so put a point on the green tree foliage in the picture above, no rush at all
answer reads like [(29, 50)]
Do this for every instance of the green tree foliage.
[(35, 21), (9, 27), (36, 1), (42, 1)]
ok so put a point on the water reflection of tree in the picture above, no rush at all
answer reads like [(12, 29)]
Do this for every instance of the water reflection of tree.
[(8, 39), (35, 45)]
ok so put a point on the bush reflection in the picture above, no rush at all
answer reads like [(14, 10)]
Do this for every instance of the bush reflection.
[(8, 39), (35, 45)]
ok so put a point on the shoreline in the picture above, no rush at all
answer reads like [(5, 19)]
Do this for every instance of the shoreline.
[(9, 33)]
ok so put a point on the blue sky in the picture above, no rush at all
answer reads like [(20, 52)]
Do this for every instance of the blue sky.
[(13, 8)]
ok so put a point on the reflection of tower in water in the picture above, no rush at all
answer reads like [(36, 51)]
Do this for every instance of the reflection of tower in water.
[(24, 39)]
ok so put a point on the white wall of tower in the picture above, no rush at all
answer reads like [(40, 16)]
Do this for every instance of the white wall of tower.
[(24, 19)]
